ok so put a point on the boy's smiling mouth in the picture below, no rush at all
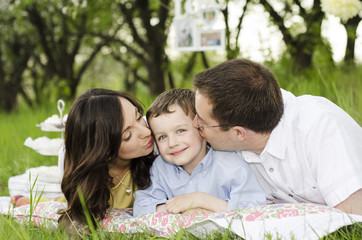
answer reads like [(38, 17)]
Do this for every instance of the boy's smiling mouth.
[(176, 153)]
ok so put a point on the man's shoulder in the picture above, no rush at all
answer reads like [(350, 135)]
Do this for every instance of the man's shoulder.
[(307, 103), (305, 110)]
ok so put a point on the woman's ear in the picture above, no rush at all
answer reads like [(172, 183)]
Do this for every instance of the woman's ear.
[(240, 133)]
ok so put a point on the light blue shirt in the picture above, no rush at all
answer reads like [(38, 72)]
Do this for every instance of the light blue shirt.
[(224, 175)]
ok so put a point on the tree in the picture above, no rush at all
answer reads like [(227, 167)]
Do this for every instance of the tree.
[(301, 39), (232, 43), (148, 23), (16, 48), (66, 47), (351, 28)]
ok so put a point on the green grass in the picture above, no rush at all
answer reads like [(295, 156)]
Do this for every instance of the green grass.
[(341, 86)]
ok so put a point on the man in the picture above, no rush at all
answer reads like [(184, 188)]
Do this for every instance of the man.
[(302, 149)]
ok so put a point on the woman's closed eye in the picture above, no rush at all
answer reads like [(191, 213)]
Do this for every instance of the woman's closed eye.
[(128, 136), (129, 133)]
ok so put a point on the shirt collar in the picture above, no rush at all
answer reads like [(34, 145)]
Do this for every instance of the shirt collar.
[(276, 146)]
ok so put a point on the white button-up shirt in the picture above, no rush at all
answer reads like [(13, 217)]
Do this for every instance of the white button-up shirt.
[(313, 155)]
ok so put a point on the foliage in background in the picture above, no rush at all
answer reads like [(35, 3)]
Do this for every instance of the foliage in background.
[(144, 38), (16, 48), (47, 47)]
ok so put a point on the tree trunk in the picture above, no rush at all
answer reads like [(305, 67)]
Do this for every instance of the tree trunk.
[(351, 28), (8, 96), (156, 77)]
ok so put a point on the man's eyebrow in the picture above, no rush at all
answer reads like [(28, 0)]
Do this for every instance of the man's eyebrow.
[(127, 128)]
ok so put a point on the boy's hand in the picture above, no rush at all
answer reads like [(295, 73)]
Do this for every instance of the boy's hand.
[(196, 211), (161, 208), (182, 203)]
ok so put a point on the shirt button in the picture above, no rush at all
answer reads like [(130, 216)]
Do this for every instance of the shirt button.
[(190, 182), (271, 169), (314, 187)]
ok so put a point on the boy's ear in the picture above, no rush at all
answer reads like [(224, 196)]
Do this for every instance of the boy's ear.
[(240, 133)]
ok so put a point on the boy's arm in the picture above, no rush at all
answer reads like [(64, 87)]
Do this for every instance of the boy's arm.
[(245, 190), (189, 201), (149, 199)]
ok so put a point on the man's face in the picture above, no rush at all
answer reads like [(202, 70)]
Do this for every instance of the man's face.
[(219, 140)]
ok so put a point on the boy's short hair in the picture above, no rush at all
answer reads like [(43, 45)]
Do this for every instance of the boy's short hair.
[(185, 98), (243, 93)]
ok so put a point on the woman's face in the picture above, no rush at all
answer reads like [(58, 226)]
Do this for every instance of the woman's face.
[(137, 140)]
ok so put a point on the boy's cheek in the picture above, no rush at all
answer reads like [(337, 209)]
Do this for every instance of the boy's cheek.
[(161, 148)]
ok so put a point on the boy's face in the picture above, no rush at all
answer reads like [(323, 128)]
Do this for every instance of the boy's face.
[(178, 141)]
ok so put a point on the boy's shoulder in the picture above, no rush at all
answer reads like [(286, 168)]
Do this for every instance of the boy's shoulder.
[(228, 158), (161, 164)]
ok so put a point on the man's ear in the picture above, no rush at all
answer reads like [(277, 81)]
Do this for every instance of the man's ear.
[(240, 133)]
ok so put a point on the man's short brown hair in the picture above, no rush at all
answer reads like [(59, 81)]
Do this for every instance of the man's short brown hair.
[(243, 93), (185, 98)]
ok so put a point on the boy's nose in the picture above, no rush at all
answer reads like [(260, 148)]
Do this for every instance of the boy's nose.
[(172, 141)]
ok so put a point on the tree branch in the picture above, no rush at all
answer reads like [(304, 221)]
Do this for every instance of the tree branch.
[(129, 19), (279, 21)]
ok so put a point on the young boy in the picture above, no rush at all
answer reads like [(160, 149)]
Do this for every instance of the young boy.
[(188, 175)]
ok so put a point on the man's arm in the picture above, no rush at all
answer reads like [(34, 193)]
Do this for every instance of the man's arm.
[(353, 204), (182, 203)]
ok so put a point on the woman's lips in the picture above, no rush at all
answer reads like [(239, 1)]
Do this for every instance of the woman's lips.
[(178, 152), (150, 143)]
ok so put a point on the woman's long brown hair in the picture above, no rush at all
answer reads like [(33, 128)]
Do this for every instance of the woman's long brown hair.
[(92, 140)]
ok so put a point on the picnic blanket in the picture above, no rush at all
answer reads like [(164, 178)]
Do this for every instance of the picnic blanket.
[(279, 221)]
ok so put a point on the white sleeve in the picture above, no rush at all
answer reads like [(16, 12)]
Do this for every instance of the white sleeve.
[(335, 150)]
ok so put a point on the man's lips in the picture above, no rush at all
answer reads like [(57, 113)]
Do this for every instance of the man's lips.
[(178, 152), (150, 143)]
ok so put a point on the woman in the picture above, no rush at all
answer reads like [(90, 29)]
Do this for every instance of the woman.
[(109, 151)]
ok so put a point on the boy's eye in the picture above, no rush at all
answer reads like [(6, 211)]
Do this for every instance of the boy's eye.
[(160, 138), (181, 130)]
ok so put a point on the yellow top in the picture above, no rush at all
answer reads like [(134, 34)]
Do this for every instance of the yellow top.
[(122, 193)]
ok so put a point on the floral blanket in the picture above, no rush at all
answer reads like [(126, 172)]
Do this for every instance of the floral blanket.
[(282, 221)]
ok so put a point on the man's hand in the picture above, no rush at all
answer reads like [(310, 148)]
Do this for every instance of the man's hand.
[(353, 204)]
